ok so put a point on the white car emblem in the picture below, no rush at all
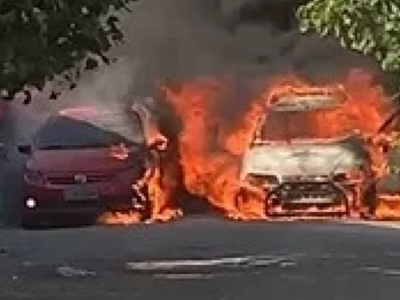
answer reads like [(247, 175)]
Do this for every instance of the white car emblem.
[(80, 178)]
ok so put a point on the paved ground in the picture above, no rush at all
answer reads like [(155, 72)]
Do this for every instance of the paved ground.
[(213, 259), (201, 258)]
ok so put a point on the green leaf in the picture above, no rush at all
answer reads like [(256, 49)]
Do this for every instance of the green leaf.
[(42, 39), (371, 27)]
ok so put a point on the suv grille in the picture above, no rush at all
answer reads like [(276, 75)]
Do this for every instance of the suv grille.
[(307, 178), (70, 179)]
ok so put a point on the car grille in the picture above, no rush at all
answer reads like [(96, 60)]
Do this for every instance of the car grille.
[(307, 178), (70, 179)]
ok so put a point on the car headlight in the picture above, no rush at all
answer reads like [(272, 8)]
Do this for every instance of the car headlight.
[(261, 180), (34, 177), (353, 175)]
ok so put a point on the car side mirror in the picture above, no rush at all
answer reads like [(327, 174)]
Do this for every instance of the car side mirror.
[(25, 149), (159, 144)]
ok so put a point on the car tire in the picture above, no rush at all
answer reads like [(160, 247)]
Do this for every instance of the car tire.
[(147, 211), (355, 205), (243, 195), (351, 206), (370, 201), (31, 222), (239, 199)]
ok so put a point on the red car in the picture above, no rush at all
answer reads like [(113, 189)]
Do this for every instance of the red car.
[(70, 170)]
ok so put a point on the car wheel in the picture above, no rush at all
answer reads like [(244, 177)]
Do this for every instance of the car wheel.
[(147, 210), (240, 199), (268, 204), (350, 206), (31, 222), (354, 205), (243, 197), (370, 201)]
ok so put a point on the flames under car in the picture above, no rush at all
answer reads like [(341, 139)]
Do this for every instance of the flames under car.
[(302, 191), (293, 166)]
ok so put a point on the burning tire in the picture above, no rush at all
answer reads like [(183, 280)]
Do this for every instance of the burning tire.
[(145, 207), (362, 201), (370, 201), (321, 199), (250, 203)]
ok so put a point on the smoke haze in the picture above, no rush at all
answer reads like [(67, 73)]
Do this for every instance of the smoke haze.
[(180, 40)]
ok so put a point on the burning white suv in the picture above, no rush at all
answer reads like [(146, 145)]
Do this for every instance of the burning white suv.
[(294, 168)]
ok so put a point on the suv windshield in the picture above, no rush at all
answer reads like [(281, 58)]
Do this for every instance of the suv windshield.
[(63, 132), (308, 124)]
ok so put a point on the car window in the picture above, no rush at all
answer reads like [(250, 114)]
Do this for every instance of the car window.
[(67, 132), (283, 125)]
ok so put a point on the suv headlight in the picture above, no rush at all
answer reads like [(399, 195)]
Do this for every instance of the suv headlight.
[(354, 175), (261, 180), (34, 177)]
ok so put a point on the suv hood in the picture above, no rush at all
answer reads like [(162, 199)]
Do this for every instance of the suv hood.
[(301, 159), (82, 160)]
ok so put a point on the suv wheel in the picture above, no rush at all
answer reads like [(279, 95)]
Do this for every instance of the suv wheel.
[(370, 201), (31, 222), (146, 210)]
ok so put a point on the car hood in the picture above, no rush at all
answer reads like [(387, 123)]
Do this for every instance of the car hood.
[(82, 160), (301, 159)]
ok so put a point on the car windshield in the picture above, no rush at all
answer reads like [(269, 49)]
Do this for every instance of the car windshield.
[(302, 125), (63, 132)]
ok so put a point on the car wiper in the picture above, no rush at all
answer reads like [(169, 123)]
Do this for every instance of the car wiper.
[(53, 147), (88, 146)]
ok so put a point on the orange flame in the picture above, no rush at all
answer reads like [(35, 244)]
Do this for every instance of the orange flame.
[(158, 178), (211, 150)]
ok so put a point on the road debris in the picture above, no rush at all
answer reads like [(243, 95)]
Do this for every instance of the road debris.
[(222, 264), (382, 271), (71, 272), (188, 276)]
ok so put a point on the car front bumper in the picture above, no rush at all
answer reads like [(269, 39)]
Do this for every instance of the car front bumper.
[(45, 201)]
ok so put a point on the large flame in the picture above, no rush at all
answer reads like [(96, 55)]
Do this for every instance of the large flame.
[(160, 179), (209, 156), (211, 146)]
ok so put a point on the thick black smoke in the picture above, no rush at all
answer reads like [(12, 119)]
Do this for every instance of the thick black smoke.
[(180, 40), (186, 38)]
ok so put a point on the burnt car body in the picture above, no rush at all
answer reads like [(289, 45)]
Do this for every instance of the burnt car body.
[(293, 168), (71, 170)]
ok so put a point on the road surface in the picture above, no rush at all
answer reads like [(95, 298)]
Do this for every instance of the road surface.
[(202, 258), (195, 258)]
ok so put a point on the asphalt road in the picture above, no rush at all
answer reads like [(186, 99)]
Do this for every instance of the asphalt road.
[(201, 258), (204, 258)]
